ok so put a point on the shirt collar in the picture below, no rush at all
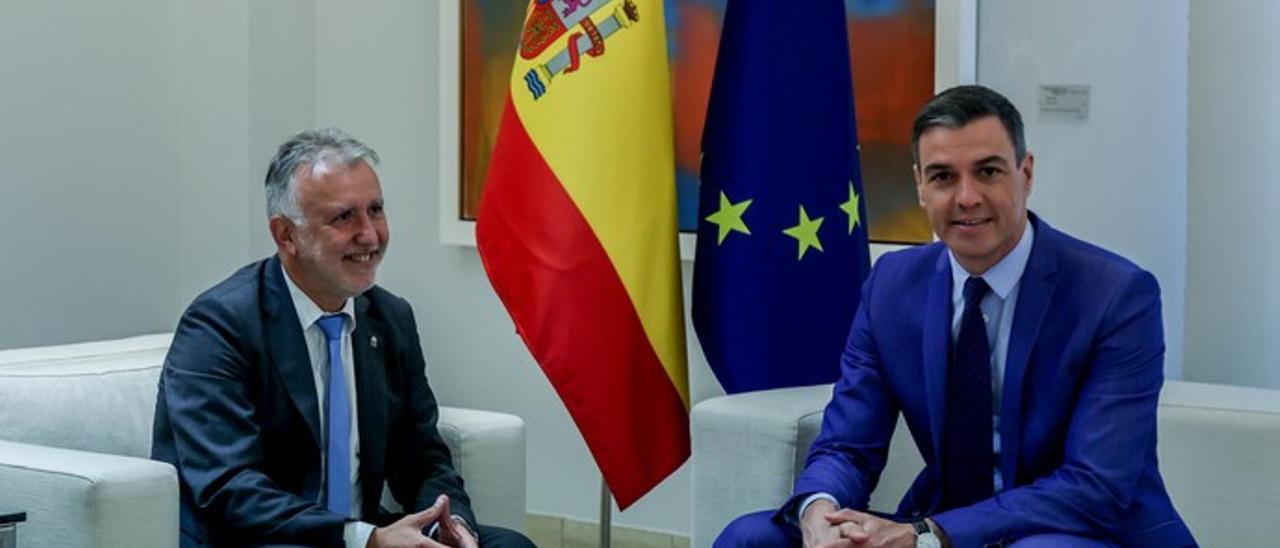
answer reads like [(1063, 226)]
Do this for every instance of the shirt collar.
[(1006, 273), (307, 309)]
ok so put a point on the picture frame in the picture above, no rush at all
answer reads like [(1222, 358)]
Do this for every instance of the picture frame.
[(955, 62)]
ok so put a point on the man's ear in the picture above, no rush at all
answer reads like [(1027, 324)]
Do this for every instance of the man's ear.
[(1028, 169), (282, 232), (915, 174)]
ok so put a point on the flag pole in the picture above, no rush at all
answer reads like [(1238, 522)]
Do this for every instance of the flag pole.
[(606, 513)]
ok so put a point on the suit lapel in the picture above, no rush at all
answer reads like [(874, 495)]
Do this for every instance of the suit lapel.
[(937, 349), (1034, 294), (288, 348), (369, 345)]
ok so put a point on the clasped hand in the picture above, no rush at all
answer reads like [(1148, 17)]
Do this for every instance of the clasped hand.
[(825, 527), (408, 532)]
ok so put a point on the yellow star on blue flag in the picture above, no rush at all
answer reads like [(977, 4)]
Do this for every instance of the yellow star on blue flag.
[(729, 217), (851, 208), (806, 233)]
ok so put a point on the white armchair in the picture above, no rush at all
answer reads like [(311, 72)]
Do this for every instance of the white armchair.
[(1218, 448), (75, 434)]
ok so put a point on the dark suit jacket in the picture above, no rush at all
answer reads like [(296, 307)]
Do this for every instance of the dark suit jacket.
[(238, 416), (1078, 415)]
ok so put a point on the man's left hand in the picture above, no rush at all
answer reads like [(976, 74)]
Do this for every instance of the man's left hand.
[(881, 532), (452, 533)]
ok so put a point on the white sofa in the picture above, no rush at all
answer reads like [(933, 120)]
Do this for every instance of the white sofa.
[(1219, 451), (75, 434)]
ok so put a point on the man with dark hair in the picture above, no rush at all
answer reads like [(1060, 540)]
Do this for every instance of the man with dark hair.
[(1026, 363), (296, 388)]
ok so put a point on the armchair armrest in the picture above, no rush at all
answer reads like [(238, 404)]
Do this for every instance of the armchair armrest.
[(489, 451), (748, 450), (78, 498)]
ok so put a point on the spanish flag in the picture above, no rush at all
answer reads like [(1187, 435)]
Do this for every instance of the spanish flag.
[(577, 230)]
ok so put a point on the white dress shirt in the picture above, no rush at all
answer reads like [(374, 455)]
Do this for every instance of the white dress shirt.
[(997, 311), (356, 533)]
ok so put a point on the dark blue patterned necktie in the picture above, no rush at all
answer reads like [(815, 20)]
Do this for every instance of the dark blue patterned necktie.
[(338, 422), (969, 460)]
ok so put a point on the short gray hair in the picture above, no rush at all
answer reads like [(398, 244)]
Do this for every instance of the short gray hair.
[(312, 148)]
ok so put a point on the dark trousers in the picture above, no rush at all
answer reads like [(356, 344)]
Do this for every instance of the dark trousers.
[(757, 530), (490, 537), (497, 537)]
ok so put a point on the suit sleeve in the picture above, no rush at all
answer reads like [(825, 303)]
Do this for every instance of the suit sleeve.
[(207, 381), (849, 453), (1109, 440), (420, 465)]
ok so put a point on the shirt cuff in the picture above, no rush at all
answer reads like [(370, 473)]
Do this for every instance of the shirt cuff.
[(812, 499), (355, 534)]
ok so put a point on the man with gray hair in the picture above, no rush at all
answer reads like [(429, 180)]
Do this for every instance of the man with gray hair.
[(296, 388)]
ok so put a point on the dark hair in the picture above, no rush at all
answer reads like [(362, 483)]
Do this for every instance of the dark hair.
[(956, 107)]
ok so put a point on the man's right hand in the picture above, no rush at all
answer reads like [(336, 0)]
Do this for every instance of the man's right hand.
[(407, 532), (819, 532)]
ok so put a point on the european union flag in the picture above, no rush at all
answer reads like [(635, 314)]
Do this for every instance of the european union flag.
[(782, 236)]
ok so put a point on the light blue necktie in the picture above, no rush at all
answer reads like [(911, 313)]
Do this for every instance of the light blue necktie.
[(338, 445)]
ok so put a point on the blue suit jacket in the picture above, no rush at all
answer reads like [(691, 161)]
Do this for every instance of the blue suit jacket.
[(1078, 417), (238, 416)]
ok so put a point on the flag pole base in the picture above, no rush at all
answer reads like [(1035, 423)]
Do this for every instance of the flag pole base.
[(606, 513)]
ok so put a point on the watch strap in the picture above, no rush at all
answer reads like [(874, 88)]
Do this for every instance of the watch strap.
[(921, 527), (925, 537)]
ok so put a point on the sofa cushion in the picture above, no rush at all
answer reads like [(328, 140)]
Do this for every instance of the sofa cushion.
[(97, 396)]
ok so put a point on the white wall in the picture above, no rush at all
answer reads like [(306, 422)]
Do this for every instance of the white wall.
[(135, 138), (1119, 179), (1233, 305), (247, 83), (88, 144), (215, 181)]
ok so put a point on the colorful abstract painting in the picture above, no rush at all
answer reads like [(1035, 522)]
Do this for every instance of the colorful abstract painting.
[(892, 51)]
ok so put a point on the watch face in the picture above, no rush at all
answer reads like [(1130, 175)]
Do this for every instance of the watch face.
[(927, 540)]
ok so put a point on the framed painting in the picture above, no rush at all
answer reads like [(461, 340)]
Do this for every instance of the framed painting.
[(901, 51)]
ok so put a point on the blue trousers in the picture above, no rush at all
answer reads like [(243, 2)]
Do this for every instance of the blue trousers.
[(757, 530)]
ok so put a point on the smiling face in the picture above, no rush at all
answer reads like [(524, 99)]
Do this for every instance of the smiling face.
[(973, 190), (334, 253)]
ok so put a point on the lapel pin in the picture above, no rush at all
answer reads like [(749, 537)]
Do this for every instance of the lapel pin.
[(373, 341)]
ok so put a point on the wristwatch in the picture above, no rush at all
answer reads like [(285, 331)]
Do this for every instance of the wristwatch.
[(924, 536), (467, 526)]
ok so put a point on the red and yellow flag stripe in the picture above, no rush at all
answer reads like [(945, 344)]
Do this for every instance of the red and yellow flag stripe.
[(577, 232)]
